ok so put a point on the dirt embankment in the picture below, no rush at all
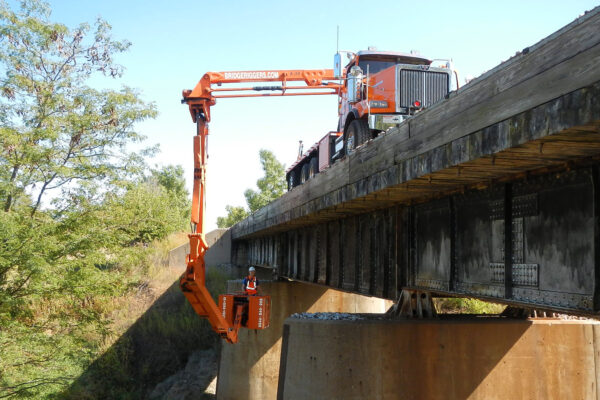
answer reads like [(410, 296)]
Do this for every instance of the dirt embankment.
[(197, 381), (161, 348)]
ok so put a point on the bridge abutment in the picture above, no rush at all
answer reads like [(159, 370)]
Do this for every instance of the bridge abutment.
[(250, 368), (450, 357), (458, 357)]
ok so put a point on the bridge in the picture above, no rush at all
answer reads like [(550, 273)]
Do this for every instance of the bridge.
[(493, 193)]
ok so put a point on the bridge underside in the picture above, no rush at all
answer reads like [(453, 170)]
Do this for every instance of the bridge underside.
[(545, 190), (457, 245)]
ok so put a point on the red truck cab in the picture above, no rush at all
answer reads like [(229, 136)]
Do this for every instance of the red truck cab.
[(380, 90)]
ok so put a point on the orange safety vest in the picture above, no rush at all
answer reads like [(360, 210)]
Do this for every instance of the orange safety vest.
[(250, 285)]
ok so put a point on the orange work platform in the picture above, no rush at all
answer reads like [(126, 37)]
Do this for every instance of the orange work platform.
[(255, 309)]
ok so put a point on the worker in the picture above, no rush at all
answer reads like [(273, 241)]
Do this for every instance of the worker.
[(250, 285)]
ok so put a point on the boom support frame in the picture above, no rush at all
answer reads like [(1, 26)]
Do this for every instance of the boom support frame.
[(200, 100)]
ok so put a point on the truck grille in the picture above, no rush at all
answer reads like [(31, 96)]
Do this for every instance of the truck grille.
[(427, 87)]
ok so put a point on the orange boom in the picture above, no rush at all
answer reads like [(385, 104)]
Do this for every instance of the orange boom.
[(376, 89), (234, 310)]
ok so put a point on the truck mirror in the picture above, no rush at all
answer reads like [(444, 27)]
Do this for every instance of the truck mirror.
[(337, 65), (356, 71), (355, 82)]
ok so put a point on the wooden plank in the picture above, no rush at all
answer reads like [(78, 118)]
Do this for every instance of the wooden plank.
[(574, 73), (426, 153), (533, 79)]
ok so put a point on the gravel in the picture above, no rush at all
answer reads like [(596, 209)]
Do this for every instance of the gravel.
[(339, 316), (329, 316)]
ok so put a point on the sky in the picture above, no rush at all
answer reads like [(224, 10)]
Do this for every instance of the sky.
[(175, 42)]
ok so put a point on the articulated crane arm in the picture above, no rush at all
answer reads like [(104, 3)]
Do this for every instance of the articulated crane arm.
[(199, 101)]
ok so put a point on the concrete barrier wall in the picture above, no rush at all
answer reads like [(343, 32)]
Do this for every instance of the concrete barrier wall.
[(250, 368), (461, 358), (177, 256), (218, 253)]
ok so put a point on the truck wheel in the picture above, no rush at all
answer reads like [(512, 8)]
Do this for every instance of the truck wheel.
[(304, 173), (313, 167), (356, 134), (292, 179)]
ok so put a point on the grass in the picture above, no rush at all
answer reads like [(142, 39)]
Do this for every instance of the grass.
[(147, 332), (154, 332), (457, 305)]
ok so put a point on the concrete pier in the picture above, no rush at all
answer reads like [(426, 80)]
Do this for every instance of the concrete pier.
[(250, 368), (450, 357), (454, 358)]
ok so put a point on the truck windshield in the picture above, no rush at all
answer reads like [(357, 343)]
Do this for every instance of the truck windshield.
[(375, 66), (378, 64)]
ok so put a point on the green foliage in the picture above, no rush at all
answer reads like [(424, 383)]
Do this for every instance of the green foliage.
[(58, 279), (77, 208), (234, 215), (145, 212), (57, 131), (172, 179), (459, 305), (270, 187), (154, 347)]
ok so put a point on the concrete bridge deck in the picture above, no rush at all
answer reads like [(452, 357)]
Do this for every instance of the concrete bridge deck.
[(425, 205)]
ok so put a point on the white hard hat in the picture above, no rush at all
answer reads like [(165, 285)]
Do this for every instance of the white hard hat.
[(251, 269)]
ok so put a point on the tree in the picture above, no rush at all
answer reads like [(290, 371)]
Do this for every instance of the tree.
[(270, 187), (171, 177), (234, 215), (56, 130), (60, 257), (145, 212)]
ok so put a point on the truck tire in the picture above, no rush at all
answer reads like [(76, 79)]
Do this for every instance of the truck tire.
[(357, 133), (304, 173), (292, 179), (313, 167)]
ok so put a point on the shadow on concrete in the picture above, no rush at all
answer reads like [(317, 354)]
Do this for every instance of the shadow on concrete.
[(155, 347), (250, 369), (446, 358), (251, 362)]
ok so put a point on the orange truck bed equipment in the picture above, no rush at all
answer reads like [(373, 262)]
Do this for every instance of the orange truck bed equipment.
[(234, 310)]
